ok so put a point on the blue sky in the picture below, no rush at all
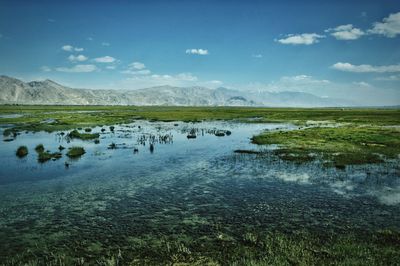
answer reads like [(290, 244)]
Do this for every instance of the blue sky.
[(343, 49)]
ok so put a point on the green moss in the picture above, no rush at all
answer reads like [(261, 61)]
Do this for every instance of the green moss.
[(341, 145), (22, 151), (75, 152), (75, 134)]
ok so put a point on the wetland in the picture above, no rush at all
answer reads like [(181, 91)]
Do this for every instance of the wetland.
[(133, 185)]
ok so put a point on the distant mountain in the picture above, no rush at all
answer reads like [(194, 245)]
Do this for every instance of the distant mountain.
[(14, 91)]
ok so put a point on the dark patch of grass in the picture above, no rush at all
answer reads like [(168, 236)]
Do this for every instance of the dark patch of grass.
[(75, 152), (22, 151), (46, 156), (39, 148), (75, 134)]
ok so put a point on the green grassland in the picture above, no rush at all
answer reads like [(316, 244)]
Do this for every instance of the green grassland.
[(360, 135)]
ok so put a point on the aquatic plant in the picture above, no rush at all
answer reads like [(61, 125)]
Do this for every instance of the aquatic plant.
[(22, 151), (112, 146), (46, 156), (60, 148), (88, 130), (75, 152), (39, 148), (75, 134)]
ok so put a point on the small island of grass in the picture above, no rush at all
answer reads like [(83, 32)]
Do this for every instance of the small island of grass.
[(75, 134), (75, 152), (22, 151)]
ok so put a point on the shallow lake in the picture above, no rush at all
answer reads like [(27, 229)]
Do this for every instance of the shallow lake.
[(190, 190)]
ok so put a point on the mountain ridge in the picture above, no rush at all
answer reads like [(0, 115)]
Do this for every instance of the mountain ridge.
[(15, 91)]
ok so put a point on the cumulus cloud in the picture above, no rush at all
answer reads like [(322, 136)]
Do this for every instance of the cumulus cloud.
[(257, 55), (305, 39), (137, 65), (77, 58), (365, 68), (197, 51), (70, 48), (346, 32), (303, 79), (105, 44), (390, 27), (136, 68), (77, 69), (105, 59)]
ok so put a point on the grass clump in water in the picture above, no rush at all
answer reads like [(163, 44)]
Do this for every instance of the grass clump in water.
[(46, 156), (75, 134), (75, 152), (340, 146), (39, 148), (22, 151)]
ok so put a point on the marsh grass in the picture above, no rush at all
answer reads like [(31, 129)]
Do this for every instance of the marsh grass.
[(348, 145), (46, 156), (75, 152), (39, 148), (22, 151), (75, 134)]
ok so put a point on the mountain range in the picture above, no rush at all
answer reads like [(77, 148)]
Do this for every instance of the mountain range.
[(15, 91)]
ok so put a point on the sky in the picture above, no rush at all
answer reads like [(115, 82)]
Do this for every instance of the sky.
[(337, 49)]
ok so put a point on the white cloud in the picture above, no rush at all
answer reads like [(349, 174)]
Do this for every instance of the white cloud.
[(70, 48), (257, 55), (77, 58), (346, 32), (389, 78), (111, 67), (303, 79), (137, 65), (197, 51), (89, 38), (105, 59), (136, 72), (362, 84), (45, 69), (305, 38), (365, 68), (51, 20), (105, 44), (390, 27), (77, 69)]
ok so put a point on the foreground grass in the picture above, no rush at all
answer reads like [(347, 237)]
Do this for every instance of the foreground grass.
[(339, 145), (380, 248)]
